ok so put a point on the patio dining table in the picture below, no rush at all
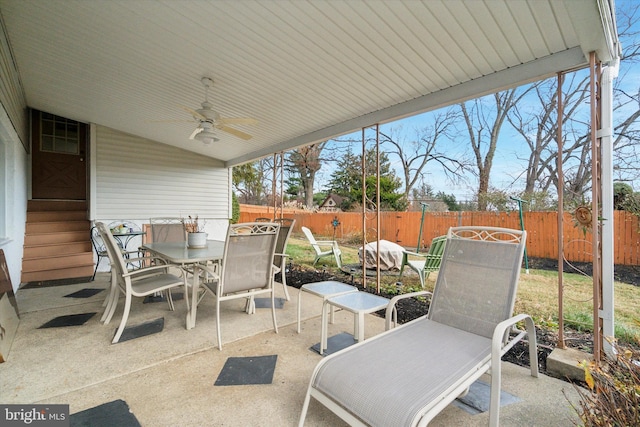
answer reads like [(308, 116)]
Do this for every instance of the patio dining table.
[(180, 254)]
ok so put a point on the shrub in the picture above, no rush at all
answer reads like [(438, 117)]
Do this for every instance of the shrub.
[(613, 396)]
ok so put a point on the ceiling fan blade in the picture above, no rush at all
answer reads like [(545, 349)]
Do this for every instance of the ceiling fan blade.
[(194, 113), (234, 132), (195, 132), (238, 121)]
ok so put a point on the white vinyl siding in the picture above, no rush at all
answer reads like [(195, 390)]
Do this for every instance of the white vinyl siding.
[(138, 179)]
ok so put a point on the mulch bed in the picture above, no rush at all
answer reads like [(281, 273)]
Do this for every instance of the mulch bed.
[(411, 308)]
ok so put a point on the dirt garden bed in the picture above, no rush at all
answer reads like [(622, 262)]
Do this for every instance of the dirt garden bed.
[(411, 308)]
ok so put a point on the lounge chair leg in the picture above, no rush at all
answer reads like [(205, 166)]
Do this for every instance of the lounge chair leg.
[(305, 408)]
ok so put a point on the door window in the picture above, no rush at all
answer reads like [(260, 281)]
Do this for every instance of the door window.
[(59, 135)]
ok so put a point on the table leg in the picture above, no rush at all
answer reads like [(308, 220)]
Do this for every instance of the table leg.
[(324, 327), (360, 326), (191, 314)]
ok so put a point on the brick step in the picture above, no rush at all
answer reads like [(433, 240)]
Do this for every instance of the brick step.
[(52, 216), (56, 205), (55, 238), (57, 262), (64, 273), (56, 249), (56, 227)]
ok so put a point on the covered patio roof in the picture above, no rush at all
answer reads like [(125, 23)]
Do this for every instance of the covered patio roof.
[(306, 71)]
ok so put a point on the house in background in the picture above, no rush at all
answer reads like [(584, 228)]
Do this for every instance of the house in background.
[(152, 104), (331, 203)]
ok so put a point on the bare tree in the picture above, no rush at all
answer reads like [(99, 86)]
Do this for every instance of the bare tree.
[(427, 146), (484, 120), (306, 162), (537, 124)]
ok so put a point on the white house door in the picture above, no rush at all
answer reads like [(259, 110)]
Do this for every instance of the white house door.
[(59, 166)]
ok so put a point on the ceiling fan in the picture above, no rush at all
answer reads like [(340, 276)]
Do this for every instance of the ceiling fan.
[(209, 120)]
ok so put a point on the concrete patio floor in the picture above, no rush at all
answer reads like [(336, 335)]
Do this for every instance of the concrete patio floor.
[(167, 378)]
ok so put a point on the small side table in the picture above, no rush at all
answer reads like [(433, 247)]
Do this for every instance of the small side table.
[(324, 290), (358, 303)]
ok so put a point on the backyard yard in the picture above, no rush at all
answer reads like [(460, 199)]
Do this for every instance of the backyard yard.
[(537, 296)]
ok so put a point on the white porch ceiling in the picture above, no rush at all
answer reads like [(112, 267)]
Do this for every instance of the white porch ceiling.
[(305, 70)]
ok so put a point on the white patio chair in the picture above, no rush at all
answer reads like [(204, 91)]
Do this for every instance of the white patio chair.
[(134, 283), (407, 375), (246, 269), (318, 246)]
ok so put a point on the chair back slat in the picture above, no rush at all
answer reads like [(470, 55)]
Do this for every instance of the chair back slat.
[(248, 256), (478, 279), (312, 240), (434, 256)]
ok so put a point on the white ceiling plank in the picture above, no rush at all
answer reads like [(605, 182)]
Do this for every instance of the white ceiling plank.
[(302, 69)]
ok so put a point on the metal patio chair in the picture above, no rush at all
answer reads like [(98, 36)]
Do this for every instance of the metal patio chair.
[(280, 257), (134, 283), (246, 269)]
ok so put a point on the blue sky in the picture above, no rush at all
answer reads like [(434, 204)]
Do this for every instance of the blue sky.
[(506, 167)]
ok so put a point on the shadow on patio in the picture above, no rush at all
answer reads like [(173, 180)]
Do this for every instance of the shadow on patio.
[(168, 378)]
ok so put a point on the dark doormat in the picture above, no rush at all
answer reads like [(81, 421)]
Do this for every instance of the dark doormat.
[(479, 397), (116, 413), (142, 330), (84, 293), (266, 302), (335, 343), (56, 282), (68, 320), (247, 370)]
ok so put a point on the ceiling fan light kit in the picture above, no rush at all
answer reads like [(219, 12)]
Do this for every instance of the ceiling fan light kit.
[(207, 137)]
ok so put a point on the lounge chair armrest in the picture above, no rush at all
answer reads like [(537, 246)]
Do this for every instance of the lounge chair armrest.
[(499, 348), (407, 254), (332, 243), (391, 313)]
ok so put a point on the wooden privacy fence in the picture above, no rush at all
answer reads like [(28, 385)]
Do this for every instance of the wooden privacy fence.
[(403, 228)]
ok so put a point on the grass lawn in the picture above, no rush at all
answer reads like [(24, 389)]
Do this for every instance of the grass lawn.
[(537, 293)]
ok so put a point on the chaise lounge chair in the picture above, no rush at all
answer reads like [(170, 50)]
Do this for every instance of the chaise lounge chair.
[(407, 375)]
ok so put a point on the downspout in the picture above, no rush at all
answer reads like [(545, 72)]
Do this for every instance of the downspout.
[(606, 134)]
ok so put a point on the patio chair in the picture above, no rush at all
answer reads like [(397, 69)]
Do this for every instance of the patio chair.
[(408, 374), (246, 269), (99, 247), (318, 246), (135, 283), (167, 230), (427, 262), (280, 256)]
